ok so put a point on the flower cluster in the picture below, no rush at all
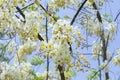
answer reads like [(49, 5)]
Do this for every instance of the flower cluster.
[(10, 3), (97, 50), (6, 20), (94, 27), (11, 47), (110, 28), (61, 3), (32, 27), (25, 49), (22, 71), (15, 71), (63, 30), (25, 29), (104, 66), (83, 58), (116, 60), (11, 22), (58, 47), (63, 35)]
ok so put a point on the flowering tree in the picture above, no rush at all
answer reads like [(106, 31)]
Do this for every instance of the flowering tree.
[(34, 34)]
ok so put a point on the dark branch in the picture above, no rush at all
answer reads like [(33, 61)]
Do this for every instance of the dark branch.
[(25, 7), (40, 38), (73, 20), (100, 76), (19, 10), (77, 12), (105, 44), (61, 72), (98, 13), (21, 13), (117, 16), (47, 42)]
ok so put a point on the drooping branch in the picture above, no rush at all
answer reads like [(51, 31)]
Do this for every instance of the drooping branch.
[(73, 19), (117, 16), (47, 42), (78, 12), (104, 43), (99, 65), (98, 13)]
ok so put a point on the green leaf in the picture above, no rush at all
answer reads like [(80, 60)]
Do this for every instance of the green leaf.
[(56, 17), (108, 17), (92, 75), (35, 76), (67, 17), (36, 61), (1, 35), (57, 9), (70, 73), (37, 2), (32, 72), (46, 15)]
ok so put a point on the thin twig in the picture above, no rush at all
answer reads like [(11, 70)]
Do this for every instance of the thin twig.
[(103, 67), (47, 12), (117, 16), (82, 63), (25, 7), (47, 42), (99, 65)]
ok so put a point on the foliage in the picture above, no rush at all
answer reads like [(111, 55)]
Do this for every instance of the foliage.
[(92, 75), (36, 60)]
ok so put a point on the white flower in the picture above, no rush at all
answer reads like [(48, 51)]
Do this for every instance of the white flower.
[(118, 51), (116, 60), (15, 71)]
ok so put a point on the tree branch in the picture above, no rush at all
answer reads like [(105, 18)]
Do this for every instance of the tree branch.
[(47, 12), (117, 16), (77, 12), (73, 20), (21, 13), (102, 67), (99, 65), (59, 66), (61, 72), (25, 7), (47, 42), (104, 46)]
